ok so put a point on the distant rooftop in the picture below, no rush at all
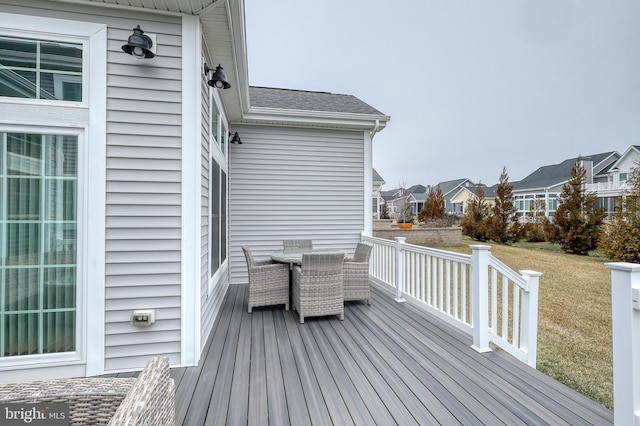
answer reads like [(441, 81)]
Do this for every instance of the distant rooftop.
[(266, 97)]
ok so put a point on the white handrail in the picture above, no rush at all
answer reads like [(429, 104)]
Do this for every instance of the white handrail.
[(464, 290)]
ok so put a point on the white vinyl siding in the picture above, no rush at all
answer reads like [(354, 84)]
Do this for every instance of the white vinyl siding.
[(143, 182), (294, 183), (144, 196)]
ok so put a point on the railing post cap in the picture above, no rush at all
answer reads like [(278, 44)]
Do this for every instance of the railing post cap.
[(480, 247), (529, 273), (400, 239), (623, 266)]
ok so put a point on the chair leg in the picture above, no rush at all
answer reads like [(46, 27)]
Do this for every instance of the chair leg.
[(341, 316), (286, 306), (301, 318), (249, 308)]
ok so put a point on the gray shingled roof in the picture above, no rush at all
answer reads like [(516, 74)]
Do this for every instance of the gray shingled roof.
[(267, 97), (547, 176)]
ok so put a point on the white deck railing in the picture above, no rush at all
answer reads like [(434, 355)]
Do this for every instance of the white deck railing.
[(625, 306), (476, 293)]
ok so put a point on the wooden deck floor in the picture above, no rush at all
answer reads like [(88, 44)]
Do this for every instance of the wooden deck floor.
[(385, 364)]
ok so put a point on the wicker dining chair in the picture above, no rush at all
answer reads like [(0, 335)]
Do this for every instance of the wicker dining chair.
[(297, 245), (356, 275), (317, 285), (268, 282)]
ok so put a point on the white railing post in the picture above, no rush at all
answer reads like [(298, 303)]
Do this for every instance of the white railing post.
[(529, 323), (399, 268), (625, 307), (480, 297)]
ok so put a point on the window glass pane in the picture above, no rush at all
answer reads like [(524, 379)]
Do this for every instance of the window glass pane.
[(59, 244), (214, 227), (59, 288), (20, 334), (17, 84), (38, 243), (24, 153), (214, 121), (60, 199), (15, 52), (40, 69), (21, 289), (59, 331), (223, 218), (62, 156), (224, 137), (61, 57), (23, 199)]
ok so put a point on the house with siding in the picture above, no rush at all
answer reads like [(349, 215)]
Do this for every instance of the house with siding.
[(542, 188), (120, 189), (611, 182)]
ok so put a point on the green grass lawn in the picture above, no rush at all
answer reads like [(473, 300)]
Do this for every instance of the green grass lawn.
[(574, 314)]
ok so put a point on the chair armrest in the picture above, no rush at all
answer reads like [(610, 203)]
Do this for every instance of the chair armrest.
[(356, 267), (151, 400)]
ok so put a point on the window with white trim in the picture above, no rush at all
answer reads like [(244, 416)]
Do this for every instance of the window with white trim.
[(218, 246), (38, 231), (40, 69)]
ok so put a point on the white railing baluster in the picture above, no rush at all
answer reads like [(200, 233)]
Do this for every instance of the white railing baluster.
[(448, 285), (456, 286), (515, 319), (494, 300), (505, 307)]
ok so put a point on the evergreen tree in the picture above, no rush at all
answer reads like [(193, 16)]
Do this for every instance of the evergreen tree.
[(433, 206), (474, 221), (577, 220), (501, 225), (621, 241), (384, 213)]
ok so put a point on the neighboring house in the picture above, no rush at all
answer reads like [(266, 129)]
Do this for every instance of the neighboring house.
[(460, 200), (377, 201), (121, 188), (449, 190), (396, 198), (610, 183), (542, 188)]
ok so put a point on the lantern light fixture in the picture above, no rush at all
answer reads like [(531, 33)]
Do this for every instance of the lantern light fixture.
[(139, 45), (218, 79), (235, 139)]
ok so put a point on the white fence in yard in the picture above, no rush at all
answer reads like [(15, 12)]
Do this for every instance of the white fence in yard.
[(476, 293), (625, 306)]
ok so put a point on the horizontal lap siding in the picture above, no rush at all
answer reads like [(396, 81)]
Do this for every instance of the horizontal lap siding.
[(294, 183), (143, 211), (143, 223)]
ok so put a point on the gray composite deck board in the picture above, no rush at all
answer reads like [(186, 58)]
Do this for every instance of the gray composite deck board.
[(387, 363)]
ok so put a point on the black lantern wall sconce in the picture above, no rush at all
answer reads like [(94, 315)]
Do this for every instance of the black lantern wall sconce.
[(218, 79), (235, 139), (140, 45)]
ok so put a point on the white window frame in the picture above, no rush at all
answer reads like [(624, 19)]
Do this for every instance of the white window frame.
[(218, 153), (87, 120)]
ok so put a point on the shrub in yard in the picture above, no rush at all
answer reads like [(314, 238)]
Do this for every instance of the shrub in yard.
[(474, 221), (502, 225), (384, 212), (621, 239), (577, 220), (433, 206)]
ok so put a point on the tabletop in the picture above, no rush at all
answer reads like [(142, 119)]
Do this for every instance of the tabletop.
[(295, 257)]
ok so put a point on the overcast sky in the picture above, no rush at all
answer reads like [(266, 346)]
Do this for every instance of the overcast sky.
[(470, 85)]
